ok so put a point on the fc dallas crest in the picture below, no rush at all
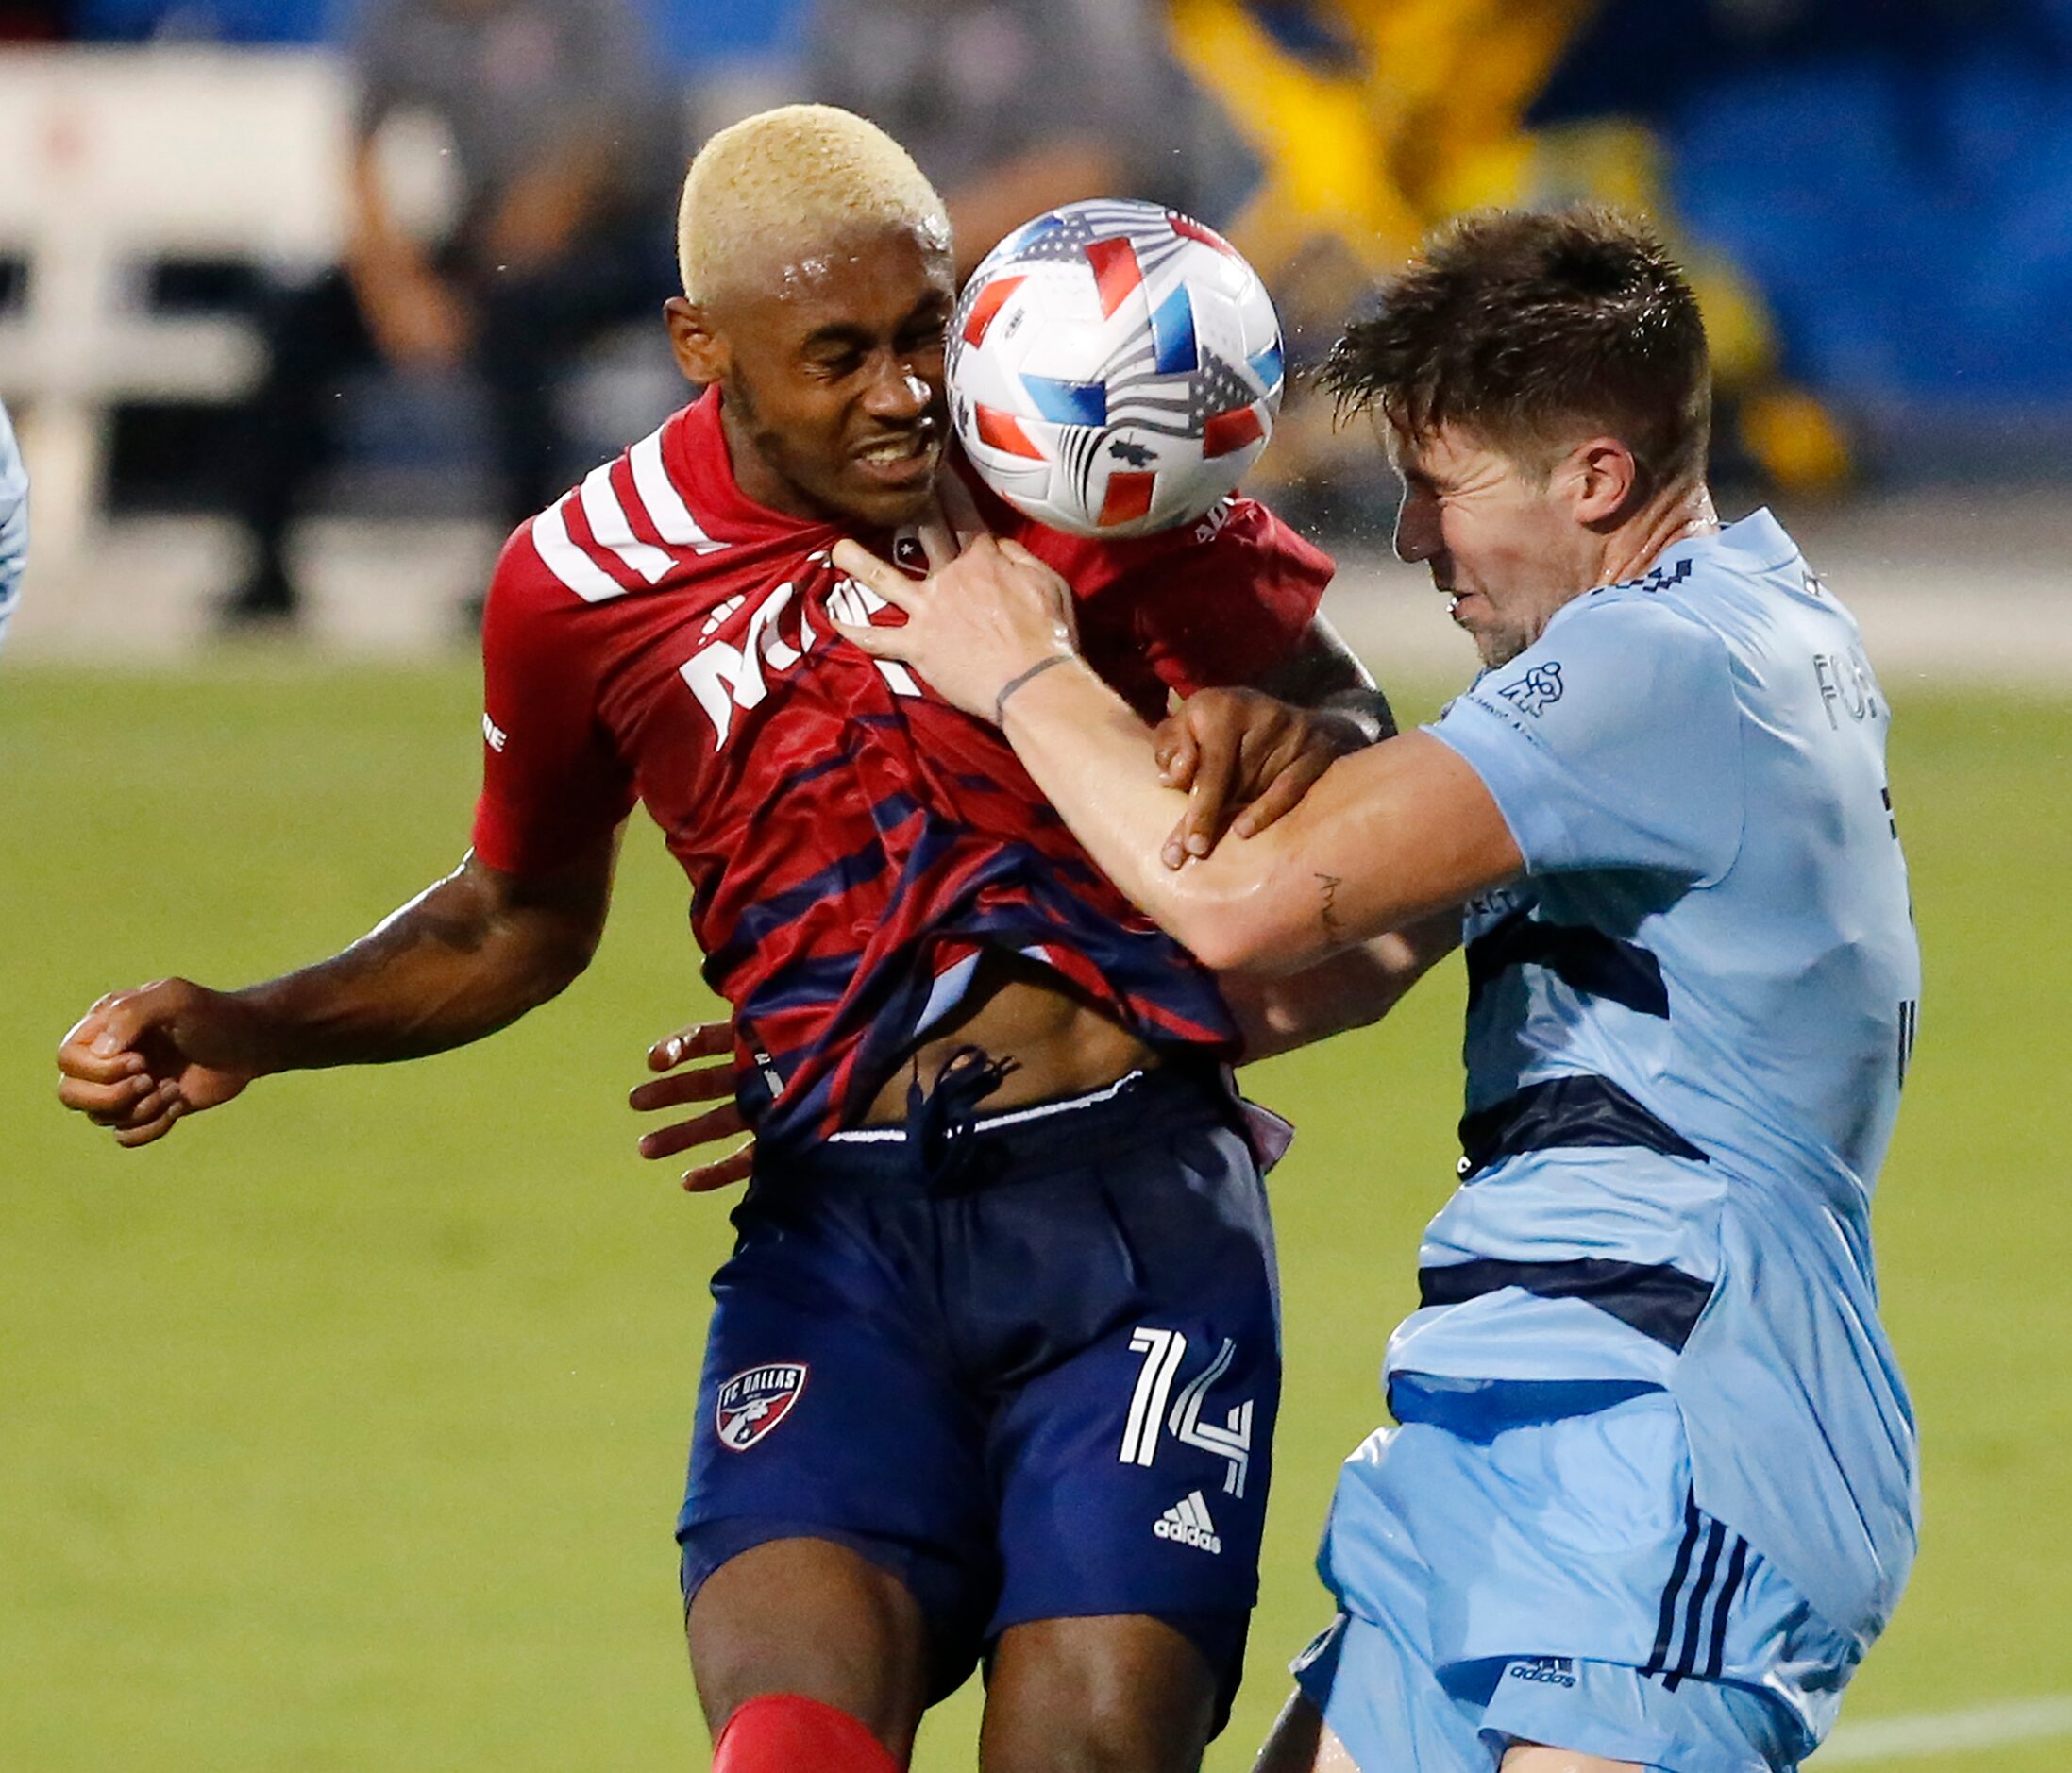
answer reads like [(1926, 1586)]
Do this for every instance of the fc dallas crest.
[(909, 555), (754, 1402)]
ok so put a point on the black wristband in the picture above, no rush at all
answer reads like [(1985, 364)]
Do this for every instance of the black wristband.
[(1015, 682)]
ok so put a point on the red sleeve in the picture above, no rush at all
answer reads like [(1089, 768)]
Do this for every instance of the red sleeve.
[(553, 784), (1228, 601), (1219, 602)]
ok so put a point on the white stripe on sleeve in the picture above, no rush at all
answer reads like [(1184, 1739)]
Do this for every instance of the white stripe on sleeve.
[(665, 508), (567, 562), (609, 525)]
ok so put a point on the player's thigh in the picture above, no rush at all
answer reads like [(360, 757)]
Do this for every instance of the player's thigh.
[(1301, 1742), (1120, 1693), (810, 1617), (835, 1532), (1532, 1757), (1132, 1469)]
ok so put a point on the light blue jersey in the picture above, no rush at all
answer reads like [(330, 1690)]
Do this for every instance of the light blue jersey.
[(1687, 1030), (13, 522), (1654, 1489)]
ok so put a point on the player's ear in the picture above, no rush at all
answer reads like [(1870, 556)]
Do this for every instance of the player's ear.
[(1603, 481), (700, 349)]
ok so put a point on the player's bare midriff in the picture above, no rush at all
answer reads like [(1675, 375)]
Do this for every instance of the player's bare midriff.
[(1060, 1040)]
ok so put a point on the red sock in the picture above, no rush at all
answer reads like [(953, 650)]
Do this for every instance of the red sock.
[(780, 1732)]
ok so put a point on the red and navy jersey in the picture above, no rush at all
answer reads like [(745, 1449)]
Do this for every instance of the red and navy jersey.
[(852, 841)]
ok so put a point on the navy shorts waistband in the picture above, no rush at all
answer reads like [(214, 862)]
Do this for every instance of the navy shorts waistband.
[(1019, 1143)]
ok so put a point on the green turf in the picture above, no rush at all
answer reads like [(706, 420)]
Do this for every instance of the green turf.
[(344, 1430)]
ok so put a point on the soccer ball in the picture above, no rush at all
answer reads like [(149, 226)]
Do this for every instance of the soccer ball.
[(1114, 368)]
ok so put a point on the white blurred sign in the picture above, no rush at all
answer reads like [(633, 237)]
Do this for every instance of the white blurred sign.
[(111, 158)]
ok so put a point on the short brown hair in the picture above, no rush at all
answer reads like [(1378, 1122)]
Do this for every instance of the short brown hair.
[(1525, 328)]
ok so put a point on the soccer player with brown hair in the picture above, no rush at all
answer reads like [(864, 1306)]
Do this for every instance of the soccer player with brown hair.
[(1651, 1492)]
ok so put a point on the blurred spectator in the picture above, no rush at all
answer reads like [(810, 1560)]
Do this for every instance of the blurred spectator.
[(1382, 117), (565, 150), (13, 522), (1895, 179), (1012, 107)]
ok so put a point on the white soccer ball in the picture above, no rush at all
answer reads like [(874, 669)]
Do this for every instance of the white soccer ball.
[(1114, 368)]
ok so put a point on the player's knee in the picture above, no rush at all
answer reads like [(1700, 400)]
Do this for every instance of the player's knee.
[(1097, 1695), (1112, 1738), (1123, 1739), (802, 1619)]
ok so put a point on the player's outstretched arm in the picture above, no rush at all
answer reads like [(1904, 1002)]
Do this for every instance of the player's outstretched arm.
[(1388, 836), (466, 956), (1392, 834), (1232, 749)]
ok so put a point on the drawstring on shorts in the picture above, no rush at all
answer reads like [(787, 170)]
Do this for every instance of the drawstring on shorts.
[(940, 1122)]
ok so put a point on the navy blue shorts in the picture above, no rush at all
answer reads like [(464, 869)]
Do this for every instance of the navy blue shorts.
[(1038, 1381)]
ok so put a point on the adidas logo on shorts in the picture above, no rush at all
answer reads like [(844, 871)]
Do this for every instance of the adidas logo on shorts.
[(1189, 1522), (1555, 1671)]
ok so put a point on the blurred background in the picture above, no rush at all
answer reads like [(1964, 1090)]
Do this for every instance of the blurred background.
[(344, 1430), (292, 291)]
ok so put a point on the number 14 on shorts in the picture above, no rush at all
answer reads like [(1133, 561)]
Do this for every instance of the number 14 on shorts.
[(1165, 1352)]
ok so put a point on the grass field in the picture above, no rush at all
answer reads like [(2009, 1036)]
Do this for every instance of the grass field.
[(344, 1430)]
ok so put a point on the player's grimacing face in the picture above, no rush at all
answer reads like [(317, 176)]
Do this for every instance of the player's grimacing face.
[(834, 404), (1497, 537)]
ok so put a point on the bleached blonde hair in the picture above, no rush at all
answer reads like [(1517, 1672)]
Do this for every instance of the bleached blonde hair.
[(796, 176)]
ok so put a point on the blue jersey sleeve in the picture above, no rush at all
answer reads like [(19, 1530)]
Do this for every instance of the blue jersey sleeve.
[(1613, 742)]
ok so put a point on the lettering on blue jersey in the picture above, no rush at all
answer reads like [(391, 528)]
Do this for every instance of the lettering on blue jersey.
[(1846, 686), (1538, 689)]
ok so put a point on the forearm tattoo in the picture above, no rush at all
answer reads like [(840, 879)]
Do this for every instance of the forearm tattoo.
[(1333, 926)]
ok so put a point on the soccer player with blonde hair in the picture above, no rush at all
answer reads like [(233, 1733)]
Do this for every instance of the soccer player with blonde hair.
[(993, 1368)]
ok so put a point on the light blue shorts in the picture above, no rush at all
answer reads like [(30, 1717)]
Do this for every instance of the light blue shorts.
[(1507, 1574)]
